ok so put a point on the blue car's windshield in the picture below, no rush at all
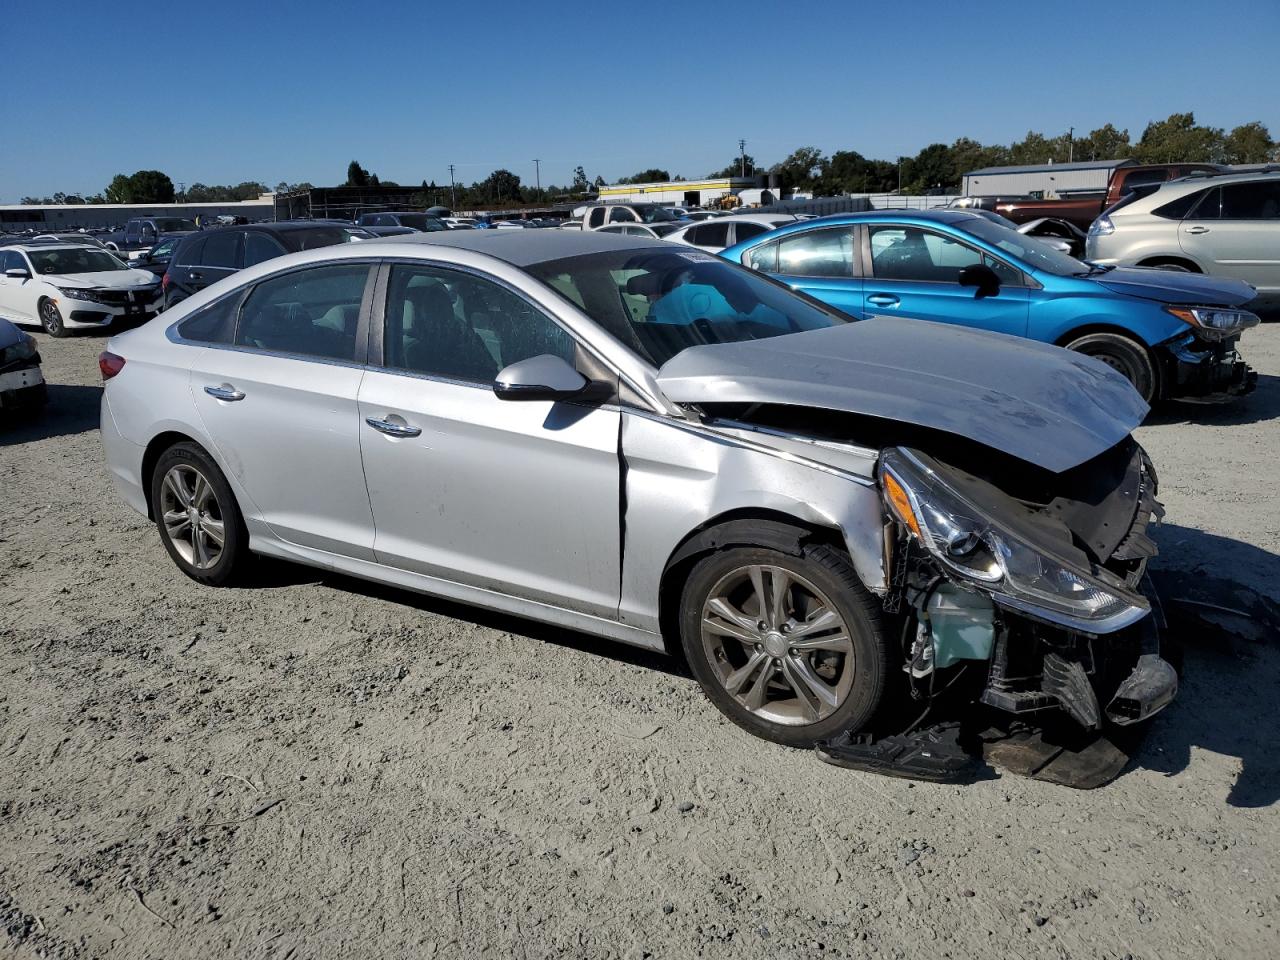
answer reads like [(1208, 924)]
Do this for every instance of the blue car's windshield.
[(658, 302), (1034, 254)]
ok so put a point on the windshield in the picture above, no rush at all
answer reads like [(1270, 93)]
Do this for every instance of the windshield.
[(1030, 251), (658, 302), (654, 214), (173, 224), (80, 260)]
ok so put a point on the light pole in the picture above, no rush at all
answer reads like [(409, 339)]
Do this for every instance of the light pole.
[(453, 193), (742, 154), (537, 174), (1071, 144)]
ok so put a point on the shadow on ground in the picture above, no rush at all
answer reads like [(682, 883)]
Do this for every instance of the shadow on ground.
[(1263, 404), (70, 410)]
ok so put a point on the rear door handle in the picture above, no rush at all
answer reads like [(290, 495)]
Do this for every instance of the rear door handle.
[(1197, 229), (393, 426), (224, 391), (883, 300)]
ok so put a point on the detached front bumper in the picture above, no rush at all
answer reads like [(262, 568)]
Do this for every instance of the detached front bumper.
[(22, 386), (1206, 372)]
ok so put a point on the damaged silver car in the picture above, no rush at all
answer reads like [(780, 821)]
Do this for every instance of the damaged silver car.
[(650, 444)]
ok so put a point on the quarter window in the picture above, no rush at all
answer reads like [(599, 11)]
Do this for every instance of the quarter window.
[(1176, 209), (819, 253), (312, 313), (212, 324), (596, 217), (455, 325)]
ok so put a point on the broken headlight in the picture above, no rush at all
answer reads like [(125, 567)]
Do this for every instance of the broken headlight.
[(1216, 323), (974, 548)]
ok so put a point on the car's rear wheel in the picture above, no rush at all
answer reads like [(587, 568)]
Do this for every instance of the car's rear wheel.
[(199, 521), (788, 647), (51, 319), (1128, 357)]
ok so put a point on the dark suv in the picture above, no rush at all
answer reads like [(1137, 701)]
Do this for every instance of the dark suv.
[(206, 257), (392, 224)]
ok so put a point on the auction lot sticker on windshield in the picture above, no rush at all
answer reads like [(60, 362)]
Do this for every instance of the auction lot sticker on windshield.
[(697, 256)]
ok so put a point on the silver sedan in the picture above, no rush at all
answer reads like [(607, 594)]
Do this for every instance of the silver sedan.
[(644, 442)]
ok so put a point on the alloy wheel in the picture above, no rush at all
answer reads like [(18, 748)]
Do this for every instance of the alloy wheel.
[(778, 645), (51, 318), (192, 516)]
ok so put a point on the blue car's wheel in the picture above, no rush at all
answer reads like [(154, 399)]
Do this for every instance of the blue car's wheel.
[(1128, 357)]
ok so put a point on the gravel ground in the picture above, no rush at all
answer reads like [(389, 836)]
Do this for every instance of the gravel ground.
[(315, 767)]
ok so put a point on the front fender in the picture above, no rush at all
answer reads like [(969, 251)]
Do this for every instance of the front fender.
[(1060, 319)]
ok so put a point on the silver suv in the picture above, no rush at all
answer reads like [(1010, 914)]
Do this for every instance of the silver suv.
[(1226, 225)]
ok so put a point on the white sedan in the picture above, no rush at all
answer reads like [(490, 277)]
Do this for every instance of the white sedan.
[(723, 232), (649, 231), (67, 286)]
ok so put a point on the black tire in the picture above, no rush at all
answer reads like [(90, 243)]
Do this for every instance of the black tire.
[(51, 319), (233, 556), (832, 574), (1124, 355)]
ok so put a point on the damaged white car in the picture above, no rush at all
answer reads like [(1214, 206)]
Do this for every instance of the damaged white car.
[(650, 444)]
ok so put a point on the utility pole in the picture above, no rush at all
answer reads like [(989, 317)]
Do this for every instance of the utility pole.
[(899, 176), (182, 191), (453, 193), (1071, 144), (742, 154), (537, 173)]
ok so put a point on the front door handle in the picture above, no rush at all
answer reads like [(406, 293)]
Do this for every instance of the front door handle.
[(1197, 229), (393, 426), (224, 391), (883, 300)]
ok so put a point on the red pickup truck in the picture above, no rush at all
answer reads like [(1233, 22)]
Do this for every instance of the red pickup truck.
[(1083, 210)]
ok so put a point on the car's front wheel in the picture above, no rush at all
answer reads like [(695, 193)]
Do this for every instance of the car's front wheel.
[(199, 521), (51, 319), (1128, 357), (790, 648)]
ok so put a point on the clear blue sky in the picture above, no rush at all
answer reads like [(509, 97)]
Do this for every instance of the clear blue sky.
[(226, 91)]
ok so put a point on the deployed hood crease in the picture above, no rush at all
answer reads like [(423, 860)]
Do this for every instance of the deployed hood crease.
[(1033, 401)]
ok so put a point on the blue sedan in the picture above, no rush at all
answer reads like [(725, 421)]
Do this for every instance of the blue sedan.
[(1171, 334)]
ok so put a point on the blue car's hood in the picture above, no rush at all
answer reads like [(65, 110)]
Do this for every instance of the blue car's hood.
[(1039, 403), (1172, 286), (9, 334)]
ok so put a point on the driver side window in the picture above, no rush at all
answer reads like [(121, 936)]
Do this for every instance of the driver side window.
[(913, 254)]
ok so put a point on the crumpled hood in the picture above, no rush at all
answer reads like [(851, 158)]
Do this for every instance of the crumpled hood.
[(1037, 402), (108, 280), (1173, 286)]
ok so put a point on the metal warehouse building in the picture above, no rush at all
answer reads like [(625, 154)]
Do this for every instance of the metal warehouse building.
[(1043, 179), (691, 193), (74, 216)]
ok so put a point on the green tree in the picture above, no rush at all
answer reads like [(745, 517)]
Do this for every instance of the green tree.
[(145, 186), (1179, 139), (652, 175), (357, 176), (1249, 143), (932, 168), (734, 169), (501, 185), (801, 169), (580, 182), (1105, 143)]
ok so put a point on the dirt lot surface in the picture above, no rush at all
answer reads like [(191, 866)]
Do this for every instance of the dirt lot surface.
[(315, 767)]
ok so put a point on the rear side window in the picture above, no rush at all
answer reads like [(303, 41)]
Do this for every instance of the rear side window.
[(709, 235), (1210, 205), (622, 215), (212, 324), (745, 231), (1251, 201), (310, 313), (259, 247), (1176, 209), (596, 217), (190, 251), (222, 250), (819, 253)]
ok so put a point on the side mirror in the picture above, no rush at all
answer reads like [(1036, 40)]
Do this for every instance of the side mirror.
[(981, 276), (539, 378), (18, 273)]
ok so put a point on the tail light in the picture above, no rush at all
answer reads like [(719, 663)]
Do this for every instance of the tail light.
[(164, 282), (110, 364)]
